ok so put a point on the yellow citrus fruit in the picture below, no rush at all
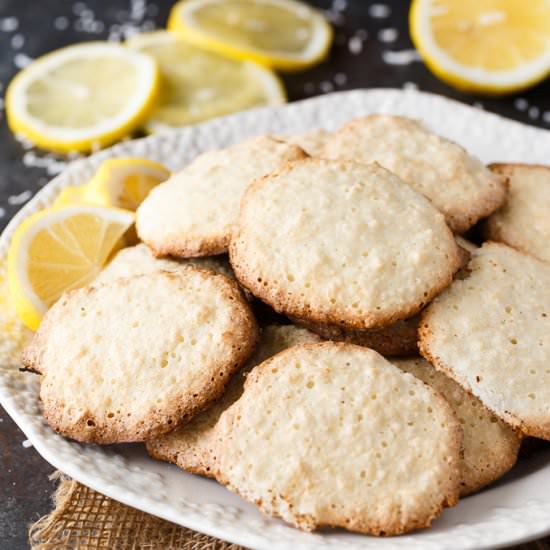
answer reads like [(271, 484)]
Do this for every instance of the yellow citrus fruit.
[(59, 249), (124, 182), (283, 34), (485, 46), (197, 84), (82, 97)]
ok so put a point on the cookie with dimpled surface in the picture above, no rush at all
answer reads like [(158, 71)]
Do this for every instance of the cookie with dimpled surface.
[(152, 351), (489, 332), (458, 184), (318, 240), (193, 212), (192, 447), (317, 439)]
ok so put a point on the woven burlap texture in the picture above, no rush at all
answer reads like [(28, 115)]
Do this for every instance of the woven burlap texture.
[(83, 519)]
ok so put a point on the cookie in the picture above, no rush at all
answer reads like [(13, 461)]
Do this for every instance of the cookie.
[(490, 446), (524, 221), (398, 339), (134, 358), (319, 438), (312, 142), (138, 260), (459, 185), (192, 447), (490, 331), (337, 242), (193, 212)]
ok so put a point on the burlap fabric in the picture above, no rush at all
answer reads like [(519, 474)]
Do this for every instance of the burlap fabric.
[(83, 519)]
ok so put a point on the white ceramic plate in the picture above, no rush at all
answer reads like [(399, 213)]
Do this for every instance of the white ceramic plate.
[(512, 511)]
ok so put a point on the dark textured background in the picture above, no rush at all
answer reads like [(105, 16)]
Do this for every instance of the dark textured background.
[(29, 28)]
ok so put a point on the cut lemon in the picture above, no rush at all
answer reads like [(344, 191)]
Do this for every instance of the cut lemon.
[(486, 46), (59, 249), (283, 34), (124, 182), (197, 84), (82, 97)]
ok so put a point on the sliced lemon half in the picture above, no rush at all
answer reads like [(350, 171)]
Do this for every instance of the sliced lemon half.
[(198, 84), (283, 34), (59, 249), (82, 97), (124, 182), (486, 46)]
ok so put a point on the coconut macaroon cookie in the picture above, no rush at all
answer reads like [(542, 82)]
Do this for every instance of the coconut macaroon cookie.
[(151, 351), (193, 447), (458, 184), (137, 260), (193, 212), (490, 332), (490, 446), (339, 242), (317, 438), (524, 221)]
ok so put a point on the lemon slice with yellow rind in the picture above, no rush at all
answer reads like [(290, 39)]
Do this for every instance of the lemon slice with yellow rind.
[(124, 182), (283, 34), (59, 249), (483, 45), (197, 85), (82, 97)]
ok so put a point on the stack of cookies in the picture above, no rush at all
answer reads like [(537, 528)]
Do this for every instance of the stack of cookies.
[(408, 362)]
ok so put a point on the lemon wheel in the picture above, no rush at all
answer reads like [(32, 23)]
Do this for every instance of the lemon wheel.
[(198, 84), (59, 249), (482, 45), (282, 34), (82, 97)]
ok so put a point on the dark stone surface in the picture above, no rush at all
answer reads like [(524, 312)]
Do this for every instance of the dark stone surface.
[(41, 26)]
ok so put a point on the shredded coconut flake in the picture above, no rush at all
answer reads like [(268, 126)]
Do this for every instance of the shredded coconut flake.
[(16, 200), (379, 11), (403, 57), (9, 24)]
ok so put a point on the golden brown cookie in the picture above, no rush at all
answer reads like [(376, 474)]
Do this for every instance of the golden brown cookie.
[(134, 358), (319, 436), (319, 240)]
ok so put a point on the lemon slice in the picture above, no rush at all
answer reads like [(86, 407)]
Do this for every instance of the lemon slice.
[(197, 84), (59, 249), (483, 45), (124, 182), (82, 97), (283, 34)]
